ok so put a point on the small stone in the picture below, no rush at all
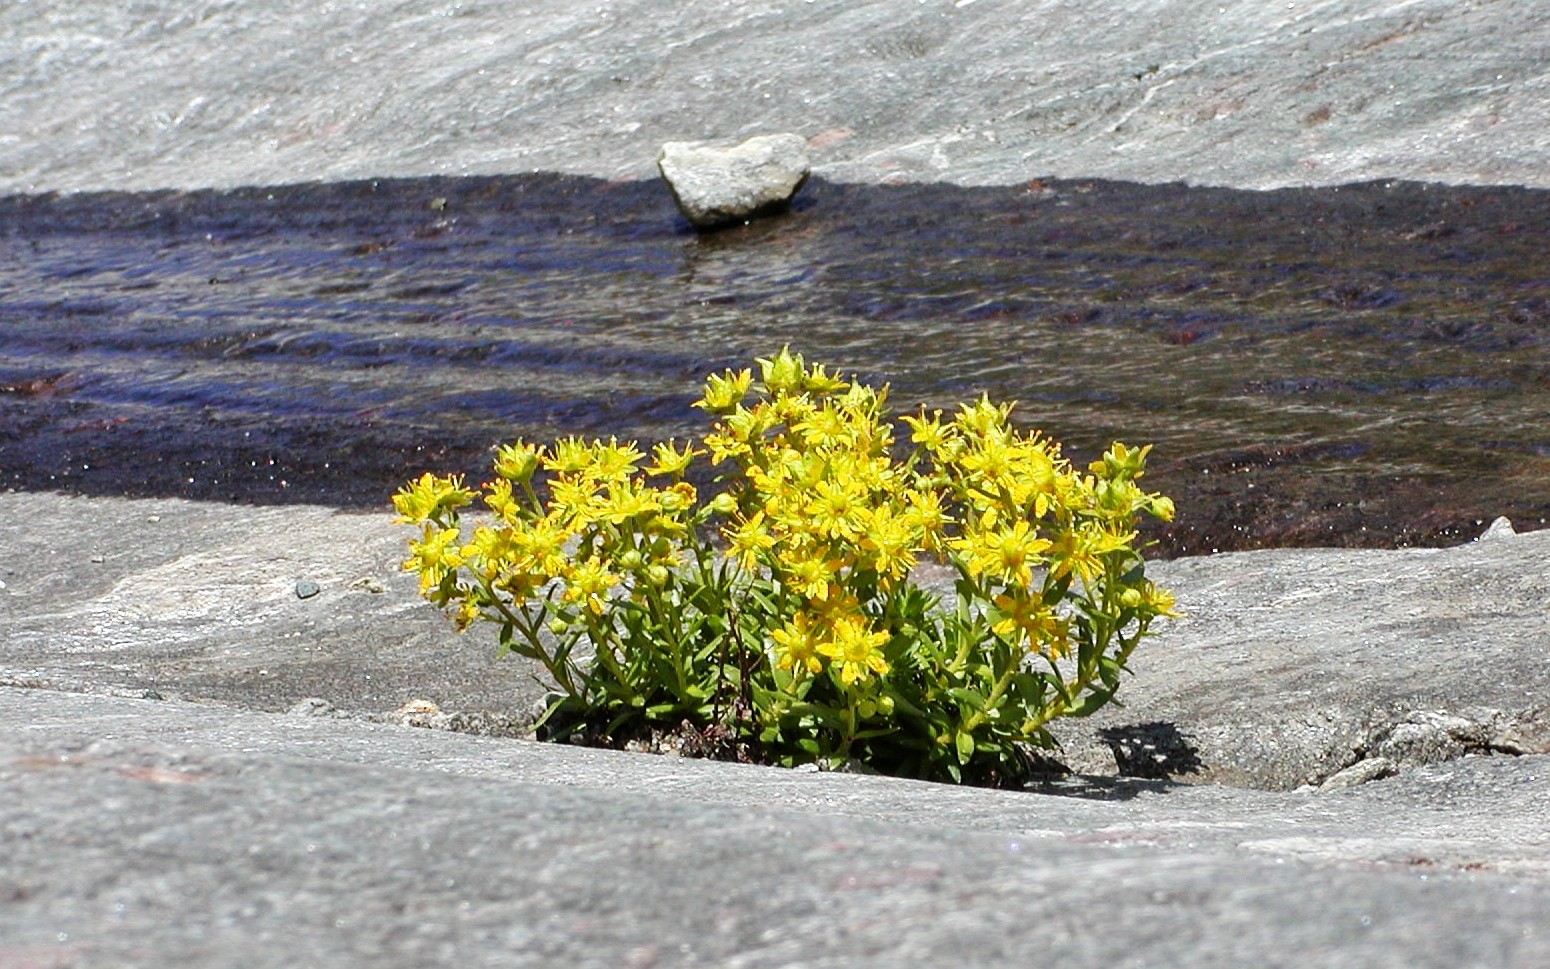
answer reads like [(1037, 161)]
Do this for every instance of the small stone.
[(98, 559), (419, 713), (1360, 772), (306, 589), (715, 185), (312, 706), (1500, 528), (370, 584), (153, 519)]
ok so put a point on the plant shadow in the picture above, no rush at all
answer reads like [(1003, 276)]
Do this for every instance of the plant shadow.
[(1155, 751)]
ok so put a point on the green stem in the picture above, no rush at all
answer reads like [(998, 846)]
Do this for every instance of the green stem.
[(994, 698), (527, 625)]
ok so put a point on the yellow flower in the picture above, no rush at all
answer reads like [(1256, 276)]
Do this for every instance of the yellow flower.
[(422, 499), (838, 604), (517, 461), (570, 455), (541, 545), (575, 501), (467, 611), (724, 392), (587, 583), (499, 500), (614, 461), (490, 549), (748, 539), (826, 427), (925, 512), (984, 419), (434, 556), (818, 381), (522, 585), (1121, 463), (837, 510), (624, 502), (855, 650), (677, 500), (808, 573), (890, 542), (990, 461), (929, 432), (781, 374), (1158, 601), (1081, 551), (796, 645), (1022, 611), (669, 460), (1009, 554)]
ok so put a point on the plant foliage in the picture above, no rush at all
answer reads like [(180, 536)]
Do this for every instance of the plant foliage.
[(780, 612)]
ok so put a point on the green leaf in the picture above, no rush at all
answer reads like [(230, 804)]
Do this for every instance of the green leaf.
[(965, 745), (1091, 703), (968, 698)]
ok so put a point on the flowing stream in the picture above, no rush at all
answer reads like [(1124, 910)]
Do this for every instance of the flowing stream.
[(1366, 365)]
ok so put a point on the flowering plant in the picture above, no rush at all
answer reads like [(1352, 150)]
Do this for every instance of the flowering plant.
[(779, 620)]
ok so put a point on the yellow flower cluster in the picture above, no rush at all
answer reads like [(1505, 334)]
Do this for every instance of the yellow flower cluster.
[(822, 505), (604, 523), (804, 619), (830, 512)]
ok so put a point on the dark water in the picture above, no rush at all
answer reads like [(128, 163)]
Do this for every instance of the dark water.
[(1367, 365)]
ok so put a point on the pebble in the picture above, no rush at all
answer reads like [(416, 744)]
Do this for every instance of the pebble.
[(306, 589)]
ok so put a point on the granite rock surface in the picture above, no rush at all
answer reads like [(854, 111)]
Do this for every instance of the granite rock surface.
[(101, 94)]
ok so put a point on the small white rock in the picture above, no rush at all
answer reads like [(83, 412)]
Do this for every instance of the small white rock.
[(1500, 528), (716, 185)]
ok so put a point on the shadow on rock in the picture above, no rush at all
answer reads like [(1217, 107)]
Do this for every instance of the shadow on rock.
[(1157, 750)]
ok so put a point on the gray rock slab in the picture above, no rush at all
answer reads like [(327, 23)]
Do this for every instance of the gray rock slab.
[(1290, 666), (154, 833), (1287, 668), (101, 94), (199, 601)]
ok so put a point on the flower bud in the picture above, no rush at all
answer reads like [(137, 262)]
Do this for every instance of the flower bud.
[(723, 504), (783, 373)]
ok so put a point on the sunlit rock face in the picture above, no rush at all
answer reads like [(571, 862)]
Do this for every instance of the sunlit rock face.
[(716, 185), (100, 94)]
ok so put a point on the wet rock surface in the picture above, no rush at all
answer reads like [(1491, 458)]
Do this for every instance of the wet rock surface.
[(1313, 367)]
